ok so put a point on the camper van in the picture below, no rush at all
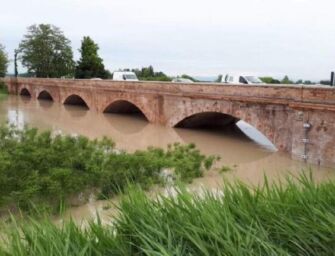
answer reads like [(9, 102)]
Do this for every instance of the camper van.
[(124, 76), (241, 79)]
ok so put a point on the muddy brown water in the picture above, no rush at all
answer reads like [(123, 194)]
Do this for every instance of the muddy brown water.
[(247, 152)]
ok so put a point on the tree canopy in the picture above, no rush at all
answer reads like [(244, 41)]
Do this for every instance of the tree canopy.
[(286, 80), (218, 79), (149, 74), (90, 64), (46, 52), (325, 82), (3, 61), (269, 80)]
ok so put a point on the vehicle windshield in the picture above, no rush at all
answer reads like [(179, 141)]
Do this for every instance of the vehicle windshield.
[(130, 77), (253, 79)]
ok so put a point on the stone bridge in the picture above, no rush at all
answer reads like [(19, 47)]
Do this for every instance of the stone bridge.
[(299, 120)]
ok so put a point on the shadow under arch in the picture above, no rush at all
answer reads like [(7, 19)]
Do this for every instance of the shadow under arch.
[(75, 100), (125, 107), (221, 122), (44, 95), (25, 92), (207, 120)]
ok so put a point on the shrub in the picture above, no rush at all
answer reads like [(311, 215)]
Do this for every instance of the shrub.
[(48, 169)]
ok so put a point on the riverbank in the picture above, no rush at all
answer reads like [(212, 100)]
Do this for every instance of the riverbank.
[(297, 218)]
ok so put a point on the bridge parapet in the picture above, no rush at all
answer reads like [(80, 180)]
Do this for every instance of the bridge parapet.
[(281, 94)]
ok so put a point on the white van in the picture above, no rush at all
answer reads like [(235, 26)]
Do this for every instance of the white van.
[(124, 76), (241, 79), (181, 80)]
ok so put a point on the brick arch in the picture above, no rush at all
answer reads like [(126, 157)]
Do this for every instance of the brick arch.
[(24, 91), (259, 117), (76, 99), (124, 105), (45, 95)]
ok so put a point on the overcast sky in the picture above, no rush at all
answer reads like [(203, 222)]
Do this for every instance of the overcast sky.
[(197, 37)]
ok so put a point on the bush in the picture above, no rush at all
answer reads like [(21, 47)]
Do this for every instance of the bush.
[(42, 168)]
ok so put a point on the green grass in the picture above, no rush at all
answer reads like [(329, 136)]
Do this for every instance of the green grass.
[(291, 219), (46, 170)]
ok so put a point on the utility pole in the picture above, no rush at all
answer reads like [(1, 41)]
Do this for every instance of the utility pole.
[(332, 79)]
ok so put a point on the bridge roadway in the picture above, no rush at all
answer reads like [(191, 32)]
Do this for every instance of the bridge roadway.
[(299, 120)]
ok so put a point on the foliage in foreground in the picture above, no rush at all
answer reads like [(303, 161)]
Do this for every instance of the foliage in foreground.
[(291, 219), (42, 168)]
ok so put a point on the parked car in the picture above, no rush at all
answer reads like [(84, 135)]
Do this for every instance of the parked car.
[(181, 80), (124, 76), (241, 79)]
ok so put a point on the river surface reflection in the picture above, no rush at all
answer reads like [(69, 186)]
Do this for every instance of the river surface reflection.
[(249, 158)]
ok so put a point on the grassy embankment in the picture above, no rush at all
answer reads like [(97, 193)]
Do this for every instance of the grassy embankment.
[(293, 219), (46, 170)]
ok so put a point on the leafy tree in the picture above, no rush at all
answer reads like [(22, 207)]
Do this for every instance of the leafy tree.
[(325, 82), (219, 79), (3, 61), (269, 80), (149, 74), (90, 64), (308, 82), (300, 81), (46, 52), (286, 80)]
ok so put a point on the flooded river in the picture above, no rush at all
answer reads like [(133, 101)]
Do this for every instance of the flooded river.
[(243, 149)]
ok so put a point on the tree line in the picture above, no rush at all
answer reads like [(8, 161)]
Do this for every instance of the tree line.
[(285, 80), (45, 52)]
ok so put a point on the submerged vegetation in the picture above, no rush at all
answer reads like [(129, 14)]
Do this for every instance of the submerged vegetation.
[(290, 219), (45, 169)]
